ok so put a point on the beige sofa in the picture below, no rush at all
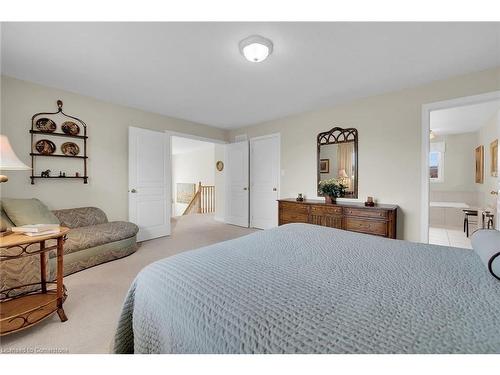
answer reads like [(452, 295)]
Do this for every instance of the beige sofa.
[(92, 240)]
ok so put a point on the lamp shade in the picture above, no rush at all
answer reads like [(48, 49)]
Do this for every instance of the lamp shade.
[(8, 159), (342, 173)]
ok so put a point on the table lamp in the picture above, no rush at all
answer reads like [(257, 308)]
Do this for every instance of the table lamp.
[(9, 162), (8, 159)]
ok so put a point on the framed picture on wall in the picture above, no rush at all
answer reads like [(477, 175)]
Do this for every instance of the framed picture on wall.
[(479, 153), (494, 158), (324, 165)]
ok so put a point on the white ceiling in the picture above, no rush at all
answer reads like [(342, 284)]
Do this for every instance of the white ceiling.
[(182, 145), (464, 119), (194, 71)]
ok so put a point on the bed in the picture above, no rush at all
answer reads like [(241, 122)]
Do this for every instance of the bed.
[(303, 288)]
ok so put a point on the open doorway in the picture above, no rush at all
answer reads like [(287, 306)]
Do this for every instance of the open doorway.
[(193, 177), (462, 170)]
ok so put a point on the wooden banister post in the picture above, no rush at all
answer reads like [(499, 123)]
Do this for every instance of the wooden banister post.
[(200, 195)]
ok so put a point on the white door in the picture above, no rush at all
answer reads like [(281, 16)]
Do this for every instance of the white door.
[(149, 185), (237, 184), (264, 181)]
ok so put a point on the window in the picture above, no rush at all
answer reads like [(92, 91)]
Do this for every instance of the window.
[(436, 166), (436, 161)]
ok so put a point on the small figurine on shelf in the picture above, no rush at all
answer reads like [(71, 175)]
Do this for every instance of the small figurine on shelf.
[(369, 202), (45, 173), (64, 174), (300, 198), (60, 174), (77, 174)]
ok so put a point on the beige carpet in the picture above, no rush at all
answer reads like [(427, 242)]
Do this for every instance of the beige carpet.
[(95, 295)]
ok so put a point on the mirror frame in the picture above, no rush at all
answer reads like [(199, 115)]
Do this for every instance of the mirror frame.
[(338, 135)]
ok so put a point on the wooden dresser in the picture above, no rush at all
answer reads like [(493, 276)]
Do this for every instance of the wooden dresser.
[(379, 220)]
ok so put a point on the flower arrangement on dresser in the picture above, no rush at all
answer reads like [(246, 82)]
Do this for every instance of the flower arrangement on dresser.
[(332, 189)]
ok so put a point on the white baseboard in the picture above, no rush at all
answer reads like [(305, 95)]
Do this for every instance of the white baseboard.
[(220, 219)]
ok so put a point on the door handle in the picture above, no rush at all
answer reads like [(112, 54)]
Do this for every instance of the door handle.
[(274, 189), (245, 188), (493, 192), (133, 191)]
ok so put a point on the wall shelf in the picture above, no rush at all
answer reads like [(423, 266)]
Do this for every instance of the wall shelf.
[(34, 155), (58, 134), (59, 155), (84, 178)]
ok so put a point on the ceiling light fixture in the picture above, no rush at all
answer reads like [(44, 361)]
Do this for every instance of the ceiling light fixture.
[(256, 48)]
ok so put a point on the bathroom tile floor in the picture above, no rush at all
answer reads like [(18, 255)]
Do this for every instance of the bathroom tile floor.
[(454, 237)]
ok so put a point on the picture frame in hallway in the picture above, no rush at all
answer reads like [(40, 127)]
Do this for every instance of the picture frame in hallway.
[(479, 157), (494, 158)]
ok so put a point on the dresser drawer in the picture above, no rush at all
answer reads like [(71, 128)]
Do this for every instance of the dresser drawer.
[(379, 214), (366, 226), (321, 211), (293, 213), (294, 207), (293, 217)]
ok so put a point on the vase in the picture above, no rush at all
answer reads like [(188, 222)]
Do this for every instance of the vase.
[(330, 200)]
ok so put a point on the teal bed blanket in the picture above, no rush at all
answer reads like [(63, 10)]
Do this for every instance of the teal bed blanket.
[(302, 288)]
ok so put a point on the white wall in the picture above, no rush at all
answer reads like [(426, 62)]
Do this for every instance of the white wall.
[(389, 128), (192, 167), (459, 163), (107, 145)]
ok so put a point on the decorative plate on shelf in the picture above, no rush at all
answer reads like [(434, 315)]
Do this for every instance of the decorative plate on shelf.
[(70, 149), (45, 125), (70, 128), (45, 147), (219, 165)]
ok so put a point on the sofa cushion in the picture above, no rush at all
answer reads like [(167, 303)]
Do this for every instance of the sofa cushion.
[(28, 211), (95, 235), (81, 217)]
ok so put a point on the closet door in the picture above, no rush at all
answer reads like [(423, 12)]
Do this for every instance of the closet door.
[(264, 181), (237, 184)]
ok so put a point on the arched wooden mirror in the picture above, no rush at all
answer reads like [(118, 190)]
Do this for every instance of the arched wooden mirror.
[(338, 158)]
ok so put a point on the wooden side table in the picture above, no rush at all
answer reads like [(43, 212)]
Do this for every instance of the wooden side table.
[(25, 305)]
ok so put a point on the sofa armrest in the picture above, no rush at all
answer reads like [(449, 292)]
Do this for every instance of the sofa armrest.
[(81, 217)]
